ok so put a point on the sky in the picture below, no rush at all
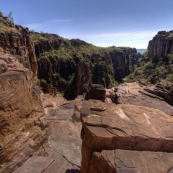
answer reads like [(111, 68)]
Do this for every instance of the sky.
[(103, 23)]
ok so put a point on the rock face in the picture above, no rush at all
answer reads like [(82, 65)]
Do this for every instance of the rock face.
[(123, 161), (126, 127), (16, 40), (96, 92), (23, 127), (65, 138), (73, 65), (150, 96), (160, 46), (165, 92)]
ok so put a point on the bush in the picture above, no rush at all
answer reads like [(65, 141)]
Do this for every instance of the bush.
[(1, 15), (10, 17)]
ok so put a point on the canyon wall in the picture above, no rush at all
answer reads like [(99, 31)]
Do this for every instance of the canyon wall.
[(71, 66), (16, 40), (160, 46), (23, 126)]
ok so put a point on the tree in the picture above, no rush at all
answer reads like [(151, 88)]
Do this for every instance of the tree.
[(10, 17), (1, 15)]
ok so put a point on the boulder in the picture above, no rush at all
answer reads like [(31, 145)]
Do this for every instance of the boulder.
[(96, 92)]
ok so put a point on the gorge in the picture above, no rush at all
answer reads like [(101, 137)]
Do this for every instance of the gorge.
[(64, 108)]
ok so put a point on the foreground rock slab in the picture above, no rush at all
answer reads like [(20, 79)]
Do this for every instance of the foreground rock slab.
[(126, 161), (64, 140), (141, 95), (35, 164), (123, 126), (66, 145)]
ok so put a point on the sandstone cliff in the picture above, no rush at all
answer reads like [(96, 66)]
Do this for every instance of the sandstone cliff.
[(160, 46), (71, 66), (16, 40), (23, 127), (125, 138)]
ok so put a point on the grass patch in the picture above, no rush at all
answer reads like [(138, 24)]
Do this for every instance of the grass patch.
[(4, 28)]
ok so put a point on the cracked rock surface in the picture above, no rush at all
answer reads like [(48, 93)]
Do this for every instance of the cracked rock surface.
[(125, 161), (125, 127)]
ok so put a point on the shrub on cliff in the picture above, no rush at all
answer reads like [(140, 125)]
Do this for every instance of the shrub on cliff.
[(1, 15), (10, 17)]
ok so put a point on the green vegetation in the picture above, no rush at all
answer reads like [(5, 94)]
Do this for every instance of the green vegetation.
[(19, 58), (5, 28), (1, 15), (39, 37), (10, 17), (70, 64), (44, 81), (160, 72)]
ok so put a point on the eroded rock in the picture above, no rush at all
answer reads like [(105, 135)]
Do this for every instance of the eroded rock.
[(23, 127), (126, 127), (123, 161)]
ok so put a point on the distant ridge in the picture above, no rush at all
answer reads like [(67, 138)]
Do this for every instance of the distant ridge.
[(141, 50)]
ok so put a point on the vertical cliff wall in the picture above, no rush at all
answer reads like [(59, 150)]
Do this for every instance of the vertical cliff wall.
[(160, 46), (16, 40), (23, 127), (71, 66)]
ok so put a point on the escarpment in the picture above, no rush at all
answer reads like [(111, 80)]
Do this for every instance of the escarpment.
[(71, 66), (16, 40), (23, 127), (125, 138), (160, 46)]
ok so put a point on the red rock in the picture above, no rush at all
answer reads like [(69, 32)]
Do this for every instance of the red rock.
[(123, 161), (23, 127), (124, 127)]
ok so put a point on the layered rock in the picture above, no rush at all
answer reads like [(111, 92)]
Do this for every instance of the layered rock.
[(23, 127), (65, 137), (16, 40), (160, 46), (73, 65), (141, 95), (164, 92), (98, 92), (126, 127), (123, 161)]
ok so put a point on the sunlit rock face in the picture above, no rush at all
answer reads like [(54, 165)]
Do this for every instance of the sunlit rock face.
[(16, 40), (160, 46), (116, 128), (23, 127)]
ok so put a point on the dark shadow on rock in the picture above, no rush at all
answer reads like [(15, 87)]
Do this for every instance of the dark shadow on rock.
[(72, 171)]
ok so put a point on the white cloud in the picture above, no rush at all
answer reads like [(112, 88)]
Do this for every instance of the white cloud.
[(41, 26), (131, 39), (59, 21)]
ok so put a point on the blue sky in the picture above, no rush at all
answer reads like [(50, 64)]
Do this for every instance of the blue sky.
[(100, 22)]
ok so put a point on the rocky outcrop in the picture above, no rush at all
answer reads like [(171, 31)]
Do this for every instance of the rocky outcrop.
[(16, 40), (123, 161), (160, 46), (125, 127), (23, 127), (71, 66), (96, 92), (164, 92), (141, 95)]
